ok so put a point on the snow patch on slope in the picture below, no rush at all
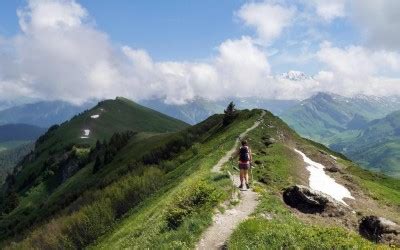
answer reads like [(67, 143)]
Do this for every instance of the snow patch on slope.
[(322, 182), (95, 116), (86, 133)]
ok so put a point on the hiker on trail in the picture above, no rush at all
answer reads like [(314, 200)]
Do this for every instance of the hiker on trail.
[(245, 159)]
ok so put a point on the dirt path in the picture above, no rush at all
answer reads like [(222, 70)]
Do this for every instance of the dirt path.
[(217, 234)]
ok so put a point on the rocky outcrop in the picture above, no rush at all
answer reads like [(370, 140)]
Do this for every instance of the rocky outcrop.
[(332, 168), (307, 200), (268, 141), (380, 230)]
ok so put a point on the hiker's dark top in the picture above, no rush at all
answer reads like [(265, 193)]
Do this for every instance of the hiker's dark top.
[(244, 157)]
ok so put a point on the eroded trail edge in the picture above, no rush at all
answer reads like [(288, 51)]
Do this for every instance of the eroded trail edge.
[(218, 233)]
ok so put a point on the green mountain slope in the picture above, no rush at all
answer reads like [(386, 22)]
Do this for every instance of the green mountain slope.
[(60, 167), (158, 191), (377, 146), (330, 118), (348, 125)]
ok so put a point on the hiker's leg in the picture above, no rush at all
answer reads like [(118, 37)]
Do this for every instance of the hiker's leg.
[(246, 176), (241, 176)]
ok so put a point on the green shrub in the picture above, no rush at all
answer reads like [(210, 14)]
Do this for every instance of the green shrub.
[(199, 196), (89, 223), (92, 220)]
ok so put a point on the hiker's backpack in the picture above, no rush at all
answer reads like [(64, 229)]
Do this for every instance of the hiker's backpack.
[(244, 154)]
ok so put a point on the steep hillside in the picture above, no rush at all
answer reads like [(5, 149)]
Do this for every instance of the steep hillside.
[(41, 183), (330, 118), (348, 125), (42, 114), (161, 191), (377, 146)]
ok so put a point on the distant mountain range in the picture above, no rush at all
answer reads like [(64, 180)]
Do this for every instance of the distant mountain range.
[(362, 127), (42, 114), (339, 122), (199, 109), (19, 132), (328, 117)]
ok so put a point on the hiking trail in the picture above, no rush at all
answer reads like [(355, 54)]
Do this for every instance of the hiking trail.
[(218, 233)]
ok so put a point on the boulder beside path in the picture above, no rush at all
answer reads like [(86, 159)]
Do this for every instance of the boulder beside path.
[(380, 230), (310, 201)]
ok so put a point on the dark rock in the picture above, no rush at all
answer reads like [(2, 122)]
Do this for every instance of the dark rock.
[(332, 169), (265, 179), (311, 201), (322, 152), (257, 162), (380, 230), (69, 169), (269, 142)]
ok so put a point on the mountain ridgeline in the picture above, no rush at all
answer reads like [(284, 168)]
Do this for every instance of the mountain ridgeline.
[(350, 126), (121, 176)]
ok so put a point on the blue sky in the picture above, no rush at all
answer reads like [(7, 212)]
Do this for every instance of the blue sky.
[(75, 50), (169, 30), (178, 29)]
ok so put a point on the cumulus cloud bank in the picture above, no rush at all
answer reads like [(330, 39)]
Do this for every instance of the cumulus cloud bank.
[(60, 54)]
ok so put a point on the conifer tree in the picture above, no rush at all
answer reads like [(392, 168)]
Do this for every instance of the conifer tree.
[(230, 113)]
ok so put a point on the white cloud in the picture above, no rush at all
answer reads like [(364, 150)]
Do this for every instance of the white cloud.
[(356, 69), (358, 61), (269, 20), (60, 54), (242, 66), (43, 14), (379, 21), (328, 10), (238, 69)]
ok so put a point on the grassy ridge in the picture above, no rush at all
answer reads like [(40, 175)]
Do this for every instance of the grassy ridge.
[(115, 116), (45, 180), (147, 226), (120, 192)]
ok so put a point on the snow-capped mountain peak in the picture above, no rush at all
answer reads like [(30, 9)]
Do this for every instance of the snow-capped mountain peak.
[(294, 75)]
